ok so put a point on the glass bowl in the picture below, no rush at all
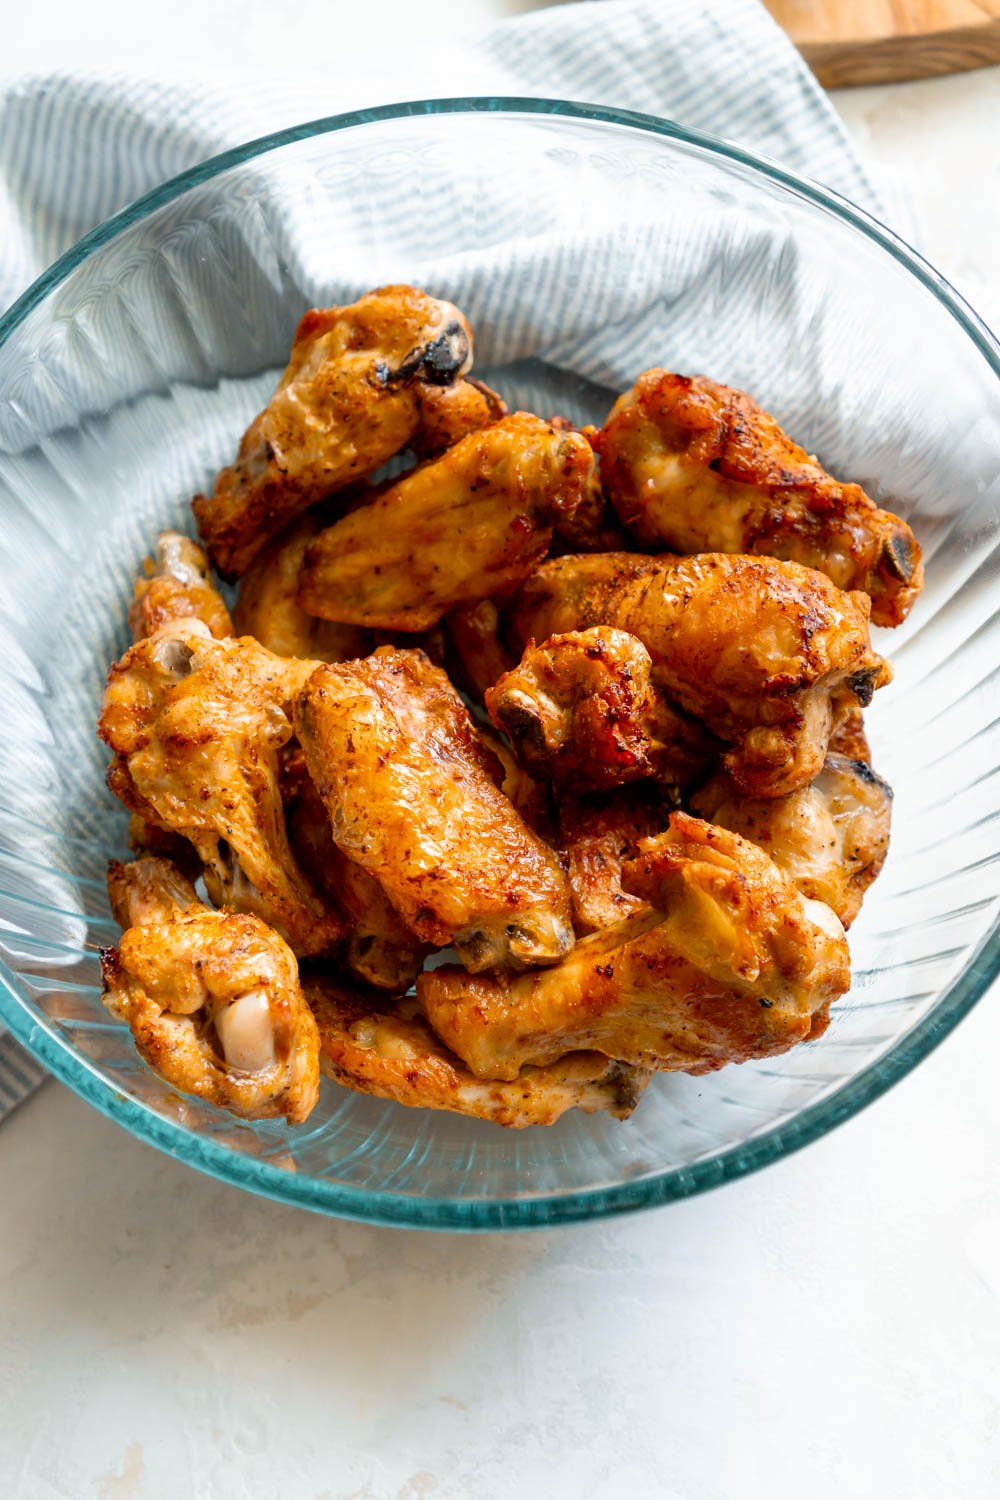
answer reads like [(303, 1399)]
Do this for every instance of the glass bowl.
[(585, 245)]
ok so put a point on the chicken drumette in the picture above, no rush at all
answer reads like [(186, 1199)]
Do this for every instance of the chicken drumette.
[(391, 1052), (598, 837), (212, 997), (409, 789), (196, 725), (350, 398), (698, 467), (455, 530), (754, 648), (728, 962), (580, 709), (831, 837)]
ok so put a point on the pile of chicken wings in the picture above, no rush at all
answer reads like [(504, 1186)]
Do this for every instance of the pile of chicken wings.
[(581, 708)]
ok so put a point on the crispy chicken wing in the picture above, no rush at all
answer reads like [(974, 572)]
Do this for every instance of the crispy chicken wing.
[(454, 530), (391, 1052), (212, 997), (598, 836), (580, 709), (267, 609), (698, 467), (177, 585), (379, 947), (753, 647), (407, 783), (349, 399), (728, 963), (831, 837), (196, 726)]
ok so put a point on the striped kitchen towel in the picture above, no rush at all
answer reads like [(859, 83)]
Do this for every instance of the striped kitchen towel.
[(76, 148)]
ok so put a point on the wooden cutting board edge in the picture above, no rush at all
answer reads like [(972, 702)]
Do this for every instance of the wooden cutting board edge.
[(853, 61)]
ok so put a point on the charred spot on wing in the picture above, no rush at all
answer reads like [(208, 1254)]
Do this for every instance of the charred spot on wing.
[(439, 363), (899, 554), (863, 684), (865, 773)]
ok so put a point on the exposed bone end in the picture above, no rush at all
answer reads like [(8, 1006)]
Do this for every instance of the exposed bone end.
[(181, 557), (533, 939), (246, 1032)]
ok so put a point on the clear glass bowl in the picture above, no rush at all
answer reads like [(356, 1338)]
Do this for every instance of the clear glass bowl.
[(585, 245)]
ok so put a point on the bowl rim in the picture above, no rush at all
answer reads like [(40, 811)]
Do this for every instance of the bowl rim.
[(541, 1210)]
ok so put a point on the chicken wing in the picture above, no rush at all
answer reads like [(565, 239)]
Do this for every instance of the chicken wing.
[(391, 1052), (379, 947), (831, 837), (728, 963), (753, 647), (177, 585), (196, 726), (212, 998), (848, 737), (349, 399), (598, 836), (408, 787), (457, 529), (267, 609), (698, 467), (581, 710)]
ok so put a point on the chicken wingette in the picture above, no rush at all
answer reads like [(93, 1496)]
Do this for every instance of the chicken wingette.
[(755, 648), (212, 998), (410, 792), (391, 1052), (728, 962), (695, 466), (349, 399), (455, 530)]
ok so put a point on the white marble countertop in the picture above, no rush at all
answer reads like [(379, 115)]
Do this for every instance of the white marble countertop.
[(830, 1327)]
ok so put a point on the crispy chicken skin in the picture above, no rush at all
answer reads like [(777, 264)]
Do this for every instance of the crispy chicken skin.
[(348, 400), (753, 647), (196, 726), (391, 1052), (581, 710), (410, 793), (212, 997), (831, 837), (728, 963), (379, 947), (848, 734), (267, 609), (598, 836), (177, 585), (699, 467), (457, 529), (532, 798)]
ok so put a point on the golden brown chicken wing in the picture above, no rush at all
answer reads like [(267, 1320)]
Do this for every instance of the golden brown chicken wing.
[(408, 787), (598, 836), (581, 710), (177, 585), (267, 609), (391, 1052), (728, 963), (379, 947), (349, 399), (698, 467), (212, 997), (753, 647), (454, 530), (831, 837), (196, 726)]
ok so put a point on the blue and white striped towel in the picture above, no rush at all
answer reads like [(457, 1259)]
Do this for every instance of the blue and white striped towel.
[(76, 148)]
